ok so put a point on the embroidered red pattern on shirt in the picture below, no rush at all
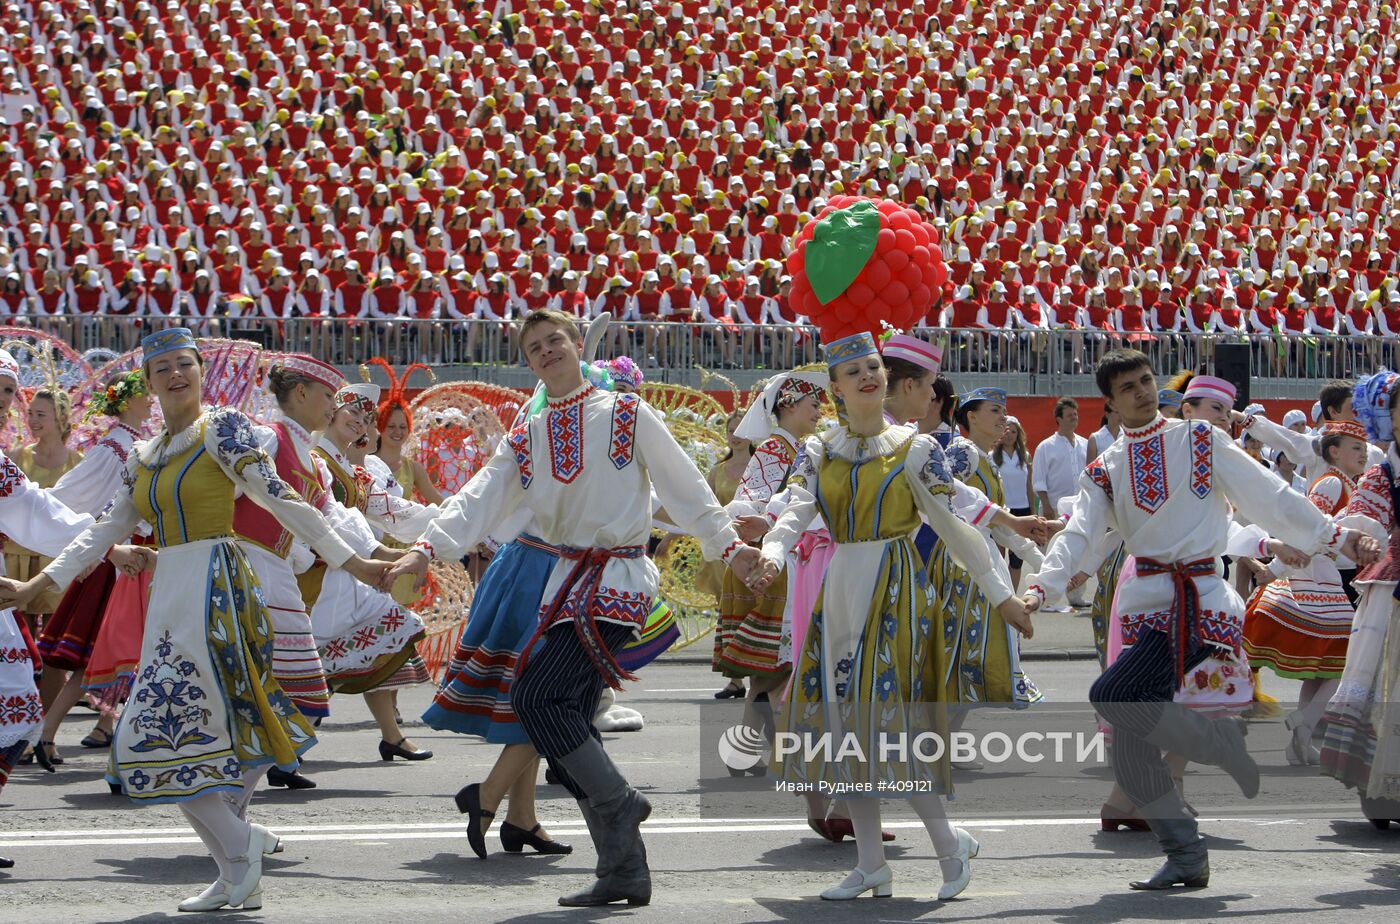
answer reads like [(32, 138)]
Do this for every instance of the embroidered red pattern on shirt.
[(566, 442), (624, 430), (1099, 476), (1201, 444), (117, 448), (1147, 470), (1146, 431), (11, 477), (519, 440)]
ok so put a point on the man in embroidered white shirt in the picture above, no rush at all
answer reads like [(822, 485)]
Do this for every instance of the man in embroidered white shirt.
[(1055, 470), (1164, 486), (585, 467)]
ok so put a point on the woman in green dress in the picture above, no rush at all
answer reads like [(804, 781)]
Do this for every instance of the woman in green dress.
[(866, 671)]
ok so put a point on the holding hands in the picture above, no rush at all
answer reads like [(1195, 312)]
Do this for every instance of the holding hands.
[(1016, 613), (412, 562), (1361, 549), (131, 560), (751, 528)]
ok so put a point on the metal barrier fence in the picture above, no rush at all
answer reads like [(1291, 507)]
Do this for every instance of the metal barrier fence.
[(1037, 361)]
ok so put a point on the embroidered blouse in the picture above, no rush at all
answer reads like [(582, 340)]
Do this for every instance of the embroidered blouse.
[(185, 502), (91, 484)]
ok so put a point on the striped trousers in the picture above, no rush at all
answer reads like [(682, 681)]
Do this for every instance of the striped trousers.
[(1132, 696), (556, 695)]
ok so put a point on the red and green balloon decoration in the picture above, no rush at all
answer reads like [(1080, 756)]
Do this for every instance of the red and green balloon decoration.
[(865, 264)]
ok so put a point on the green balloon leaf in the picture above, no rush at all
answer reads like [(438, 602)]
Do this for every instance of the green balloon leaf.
[(841, 245)]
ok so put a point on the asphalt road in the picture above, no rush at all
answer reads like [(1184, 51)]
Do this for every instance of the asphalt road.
[(382, 841)]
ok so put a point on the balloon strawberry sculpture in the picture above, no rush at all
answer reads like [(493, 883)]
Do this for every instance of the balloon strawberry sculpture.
[(866, 265)]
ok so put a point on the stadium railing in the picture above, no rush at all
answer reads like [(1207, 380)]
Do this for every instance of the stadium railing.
[(1037, 361)]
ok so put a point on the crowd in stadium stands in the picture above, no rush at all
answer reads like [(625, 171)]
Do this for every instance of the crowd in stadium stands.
[(1114, 167)]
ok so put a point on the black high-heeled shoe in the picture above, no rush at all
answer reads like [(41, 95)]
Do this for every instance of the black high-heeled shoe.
[(46, 760), (389, 751), (514, 837), (279, 777), (468, 801)]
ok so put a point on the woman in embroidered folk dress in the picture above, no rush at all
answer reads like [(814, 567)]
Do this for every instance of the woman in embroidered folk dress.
[(304, 389), (1298, 624), (33, 517), (1359, 745), (206, 716), (872, 651), (982, 655), (749, 638), (366, 640), (67, 640)]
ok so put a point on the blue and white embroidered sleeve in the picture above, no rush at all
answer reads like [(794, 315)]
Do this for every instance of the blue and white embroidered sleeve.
[(230, 441), (931, 478)]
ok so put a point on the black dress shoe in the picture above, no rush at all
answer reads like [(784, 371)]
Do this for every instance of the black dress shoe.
[(389, 751), (731, 692), (513, 838), (279, 777), (468, 801), (6, 863)]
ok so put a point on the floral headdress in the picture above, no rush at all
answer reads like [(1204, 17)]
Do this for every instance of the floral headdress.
[(116, 397)]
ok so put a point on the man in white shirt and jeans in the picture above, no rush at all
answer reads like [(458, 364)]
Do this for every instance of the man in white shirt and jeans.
[(1055, 469)]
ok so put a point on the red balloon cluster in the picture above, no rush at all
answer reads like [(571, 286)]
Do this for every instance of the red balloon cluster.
[(898, 285)]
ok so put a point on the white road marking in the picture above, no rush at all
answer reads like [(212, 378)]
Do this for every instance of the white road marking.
[(679, 690), (435, 831)]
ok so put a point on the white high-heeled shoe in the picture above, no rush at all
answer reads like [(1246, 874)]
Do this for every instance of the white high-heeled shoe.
[(216, 897), (879, 883), (1300, 751), (271, 842), (967, 849), (211, 899)]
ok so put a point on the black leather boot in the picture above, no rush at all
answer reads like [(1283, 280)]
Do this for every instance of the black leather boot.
[(1214, 742), (1188, 863), (614, 814)]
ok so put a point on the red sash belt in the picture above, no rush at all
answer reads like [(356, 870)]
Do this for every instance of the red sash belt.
[(1184, 634)]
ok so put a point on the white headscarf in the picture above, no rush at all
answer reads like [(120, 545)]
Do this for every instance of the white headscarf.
[(758, 421)]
